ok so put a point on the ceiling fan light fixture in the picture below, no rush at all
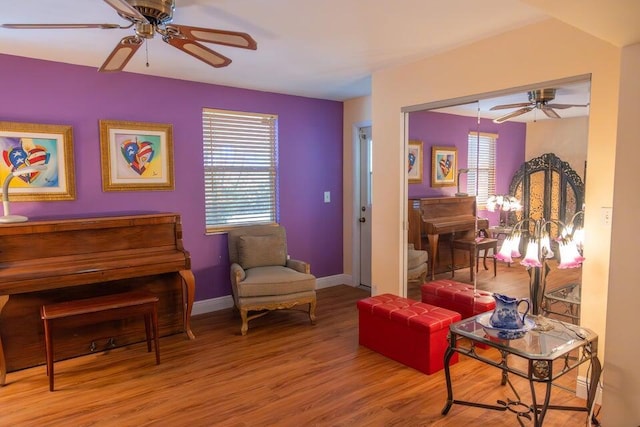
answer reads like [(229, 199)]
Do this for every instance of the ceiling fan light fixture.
[(538, 100), (149, 17)]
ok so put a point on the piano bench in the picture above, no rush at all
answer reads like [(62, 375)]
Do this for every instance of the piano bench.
[(103, 308), (474, 247), (407, 331)]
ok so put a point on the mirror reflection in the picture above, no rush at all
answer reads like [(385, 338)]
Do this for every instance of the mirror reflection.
[(488, 166)]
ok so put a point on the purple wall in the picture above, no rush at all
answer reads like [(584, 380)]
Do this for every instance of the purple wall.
[(441, 129), (310, 138)]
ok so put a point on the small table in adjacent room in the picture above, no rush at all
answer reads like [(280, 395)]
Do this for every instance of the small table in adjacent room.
[(539, 357)]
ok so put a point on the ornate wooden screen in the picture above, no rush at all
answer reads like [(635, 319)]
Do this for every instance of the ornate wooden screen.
[(548, 188)]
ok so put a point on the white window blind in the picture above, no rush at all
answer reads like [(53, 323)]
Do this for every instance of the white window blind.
[(482, 166), (240, 168)]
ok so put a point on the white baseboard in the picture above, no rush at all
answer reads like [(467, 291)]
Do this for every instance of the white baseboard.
[(581, 389), (220, 303), (329, 281), (213, 304)]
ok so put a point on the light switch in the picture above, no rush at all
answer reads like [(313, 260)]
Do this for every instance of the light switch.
[(327, 196)]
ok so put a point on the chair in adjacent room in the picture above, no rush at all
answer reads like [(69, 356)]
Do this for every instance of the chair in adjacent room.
[(263, 278), (417, 266), (473, 246)]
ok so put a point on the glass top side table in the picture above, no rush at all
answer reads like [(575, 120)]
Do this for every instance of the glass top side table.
[(548, 355)]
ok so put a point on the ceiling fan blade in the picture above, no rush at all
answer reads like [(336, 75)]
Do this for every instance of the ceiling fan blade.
[(59, 26), (505, 106), (199, 51), (121, 55), (563, 106), (209, 35), (512, 114), (126, 10), (549, 112)]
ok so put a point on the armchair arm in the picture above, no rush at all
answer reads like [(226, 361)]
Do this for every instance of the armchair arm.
[(301, 266), (237, 273)]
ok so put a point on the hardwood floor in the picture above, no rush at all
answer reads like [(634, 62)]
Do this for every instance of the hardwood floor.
[(284, 372)]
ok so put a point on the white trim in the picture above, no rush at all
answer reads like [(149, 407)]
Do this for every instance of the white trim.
[(338, 279), (581, 389), (221, 303), (213, 304)]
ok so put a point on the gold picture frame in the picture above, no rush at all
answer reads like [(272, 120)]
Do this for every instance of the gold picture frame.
[(136, 156), (415, 162), (41, 145), (444, 166)]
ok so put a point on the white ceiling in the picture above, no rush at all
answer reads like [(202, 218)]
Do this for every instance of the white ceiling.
[(322, 49)]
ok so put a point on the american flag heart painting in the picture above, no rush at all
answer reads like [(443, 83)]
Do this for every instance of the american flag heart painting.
[(444, 164), (136, 156)]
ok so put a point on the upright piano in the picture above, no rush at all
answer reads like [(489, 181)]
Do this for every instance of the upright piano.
[(52, 260), (431, 217)]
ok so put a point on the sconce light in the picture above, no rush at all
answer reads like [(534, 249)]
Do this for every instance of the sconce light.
[(461, 171), (5, 193)]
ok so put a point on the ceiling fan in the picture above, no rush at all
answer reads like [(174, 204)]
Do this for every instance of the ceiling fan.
[(154, 16), (539, 99)]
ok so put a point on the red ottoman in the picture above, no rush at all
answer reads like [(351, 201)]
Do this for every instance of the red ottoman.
[(458, 297), (408, 331)]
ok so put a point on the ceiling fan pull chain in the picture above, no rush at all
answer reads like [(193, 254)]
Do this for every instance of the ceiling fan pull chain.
[(146, 49)]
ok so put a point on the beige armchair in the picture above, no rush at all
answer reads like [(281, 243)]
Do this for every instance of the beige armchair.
[(263, 278)]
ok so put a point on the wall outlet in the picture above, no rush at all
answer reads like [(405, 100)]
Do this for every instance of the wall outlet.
[(606, 213), (327, 196)]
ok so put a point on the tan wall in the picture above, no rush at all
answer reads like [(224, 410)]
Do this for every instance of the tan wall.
[(621, 400), (356, 113), (566, 138), (506, 61)]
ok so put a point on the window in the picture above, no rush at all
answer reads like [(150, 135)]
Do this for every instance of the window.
[(240, 168), (482, 166)]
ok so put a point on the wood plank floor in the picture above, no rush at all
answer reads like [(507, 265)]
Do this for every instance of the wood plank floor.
[(285, 372)]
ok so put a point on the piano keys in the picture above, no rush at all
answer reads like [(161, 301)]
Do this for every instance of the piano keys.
[(46, 261), (434, 216)]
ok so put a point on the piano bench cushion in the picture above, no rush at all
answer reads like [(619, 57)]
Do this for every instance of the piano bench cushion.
[(408, 331), (456, 296), (260, 251), (275, 280)]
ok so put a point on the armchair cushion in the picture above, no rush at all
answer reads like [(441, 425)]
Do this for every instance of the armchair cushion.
[(275, 280), (261, 251)]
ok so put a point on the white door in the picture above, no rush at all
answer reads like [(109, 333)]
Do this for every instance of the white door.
[(365, 205)]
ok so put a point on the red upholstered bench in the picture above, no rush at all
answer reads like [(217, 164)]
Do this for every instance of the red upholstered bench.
[(458, 297), (408, 331)]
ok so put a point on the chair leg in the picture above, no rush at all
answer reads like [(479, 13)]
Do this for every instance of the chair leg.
[(245, 321), (472, 262), (312, 312), (495, 268)]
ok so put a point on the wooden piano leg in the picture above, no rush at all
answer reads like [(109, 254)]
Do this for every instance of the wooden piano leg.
[(188, 291), (3, 362), (433, 249)]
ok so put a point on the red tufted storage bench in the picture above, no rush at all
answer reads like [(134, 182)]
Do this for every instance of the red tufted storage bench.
[(458, 297), (408, 331)]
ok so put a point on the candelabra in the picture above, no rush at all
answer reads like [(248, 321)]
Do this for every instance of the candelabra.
[(504, 204), (538, 250)]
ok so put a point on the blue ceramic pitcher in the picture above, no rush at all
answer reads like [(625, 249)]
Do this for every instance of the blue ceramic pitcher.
[(506, 315)]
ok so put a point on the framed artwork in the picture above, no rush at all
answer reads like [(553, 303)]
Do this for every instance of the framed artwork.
[(415, 162), (47, 147), (444, 164), (136, 156)]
